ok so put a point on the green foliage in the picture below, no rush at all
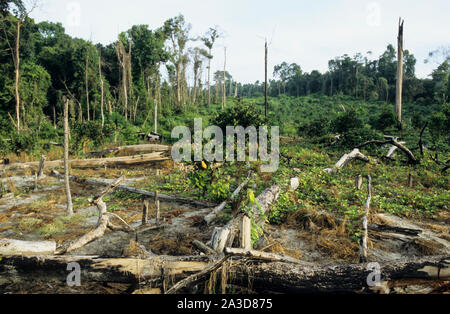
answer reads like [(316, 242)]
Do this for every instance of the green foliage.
[(22, 142), (385, 119), (316, 128), (344, 122), (239, 115)]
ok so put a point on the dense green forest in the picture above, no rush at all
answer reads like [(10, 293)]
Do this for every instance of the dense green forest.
[(119, 86)]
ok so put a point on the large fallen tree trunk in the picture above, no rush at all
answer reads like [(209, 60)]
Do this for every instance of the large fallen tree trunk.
[(94, 163), (10, 247), (355, 154), (131, 150), (259, 276), (162, 197), (20, 269), (309, 278)]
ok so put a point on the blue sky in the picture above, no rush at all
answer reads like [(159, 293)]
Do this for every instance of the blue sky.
[(305, 32)]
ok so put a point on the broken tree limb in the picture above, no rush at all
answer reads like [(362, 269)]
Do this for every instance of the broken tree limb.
[(196, 278), (203, 247), (394, 141), (217, 210), (9, 247), (163, 197), (271, 257), (420, 139), (412, 159), (365, 230), (131, 149), (128, 161), (102, 225), (355, 154)]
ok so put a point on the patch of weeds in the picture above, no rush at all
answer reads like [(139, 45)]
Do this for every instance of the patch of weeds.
[(51, 229), (29, 224)]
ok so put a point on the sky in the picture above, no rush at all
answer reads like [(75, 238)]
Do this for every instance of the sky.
[(309, 33)]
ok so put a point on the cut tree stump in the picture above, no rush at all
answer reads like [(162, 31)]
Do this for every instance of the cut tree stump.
[(246, 233)]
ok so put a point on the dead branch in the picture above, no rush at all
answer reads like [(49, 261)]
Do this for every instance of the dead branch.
[(196, 278), (166, 198), (355, 154), (102, 225)]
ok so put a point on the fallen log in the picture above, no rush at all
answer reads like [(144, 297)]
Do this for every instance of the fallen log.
[(131, 149), (355, 154), (9, 247), (340, 278), (203, 247), (22, 269), (258, 255), (93, 163), (163, 197), (260, 276)]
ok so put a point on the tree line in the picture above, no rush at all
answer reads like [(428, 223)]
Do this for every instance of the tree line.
[(146, 73)]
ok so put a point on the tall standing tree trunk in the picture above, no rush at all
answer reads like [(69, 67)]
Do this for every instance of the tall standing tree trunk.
[(194, 96), (17, 74), (398, 102), (224, 101), (209, 78), (87, 86), (102, 98), (178, 73), (266, 84), (66, 157)]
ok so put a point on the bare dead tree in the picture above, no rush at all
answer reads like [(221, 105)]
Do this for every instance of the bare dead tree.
[(66, 157), (15, 55), (399, 91)]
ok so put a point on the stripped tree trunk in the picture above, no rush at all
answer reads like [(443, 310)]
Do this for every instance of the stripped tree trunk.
[(102, 97), (66, 157), (399, 92), (363, 252)]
